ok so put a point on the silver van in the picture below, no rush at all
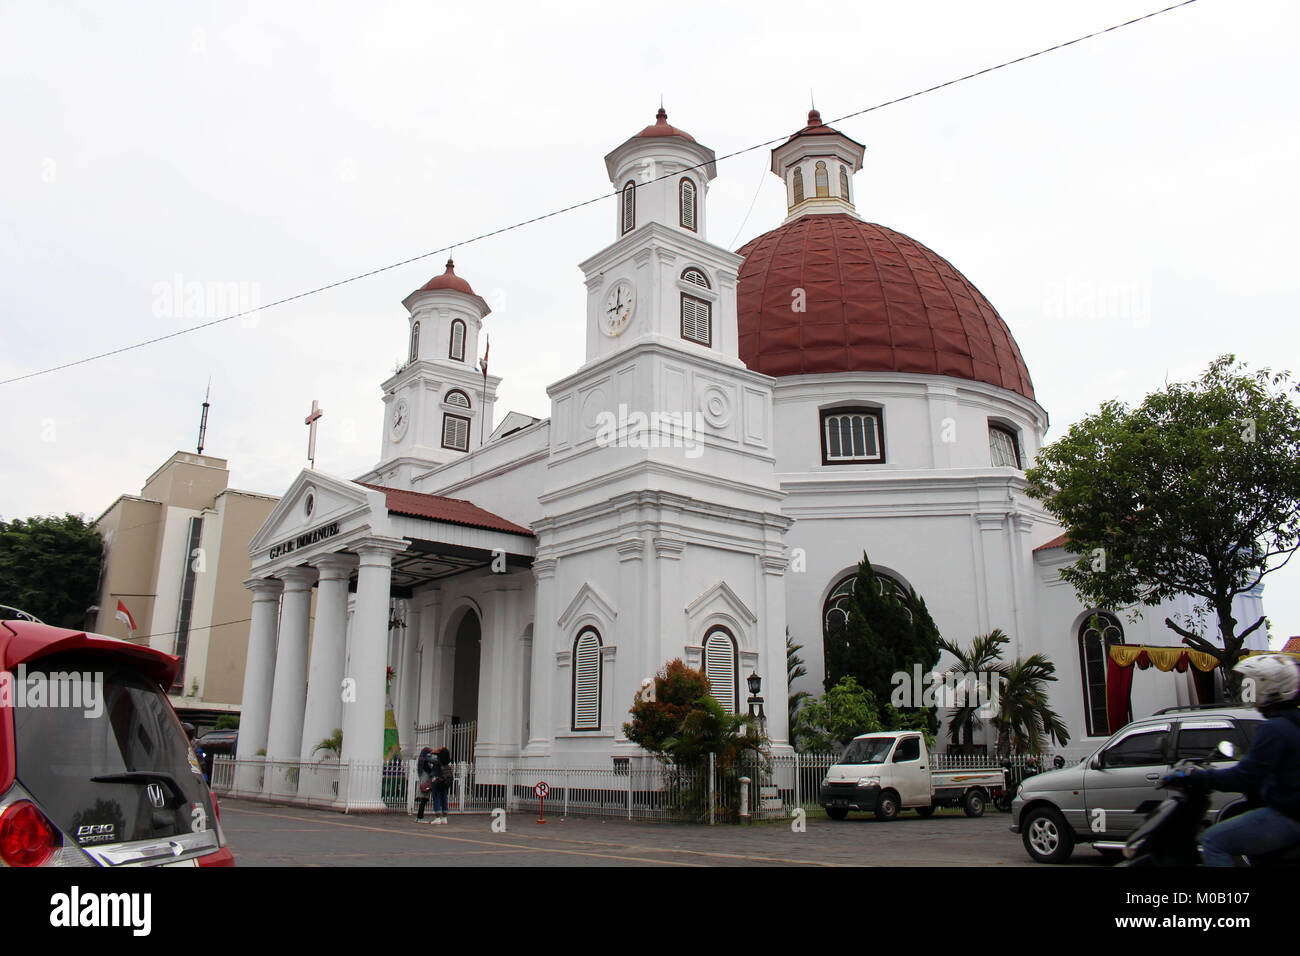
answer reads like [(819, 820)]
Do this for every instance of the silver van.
[(1102, 799)]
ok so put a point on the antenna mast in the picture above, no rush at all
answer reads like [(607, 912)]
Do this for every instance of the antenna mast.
[(203, 422)]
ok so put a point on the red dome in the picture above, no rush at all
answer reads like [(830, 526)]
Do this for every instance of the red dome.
[(661, 128), (876, 301), (448, 280)]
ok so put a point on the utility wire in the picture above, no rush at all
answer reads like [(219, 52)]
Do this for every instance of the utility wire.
[(578, 205)]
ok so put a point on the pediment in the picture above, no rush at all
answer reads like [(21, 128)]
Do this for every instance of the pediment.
[(332, 500), (720, 597), (588, 600)]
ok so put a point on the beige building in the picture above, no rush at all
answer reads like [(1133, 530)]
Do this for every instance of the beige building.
[(176, 556)]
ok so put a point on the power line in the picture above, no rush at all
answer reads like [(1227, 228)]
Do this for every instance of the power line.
[(578, 205)]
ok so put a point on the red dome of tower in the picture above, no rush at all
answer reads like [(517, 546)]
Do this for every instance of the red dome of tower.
[(661, 128), (448, 280), (876, 301)]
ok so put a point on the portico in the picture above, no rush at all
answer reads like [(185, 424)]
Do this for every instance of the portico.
[(375, 560)]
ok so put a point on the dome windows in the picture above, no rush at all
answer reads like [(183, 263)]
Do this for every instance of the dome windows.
[(852, 435), (1004, 446), (844, 185), (822, 180), (798, 186), (686, 204)]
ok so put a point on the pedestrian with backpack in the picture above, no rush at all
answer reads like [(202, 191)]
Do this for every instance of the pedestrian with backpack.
[(430, 773), (442, 783)]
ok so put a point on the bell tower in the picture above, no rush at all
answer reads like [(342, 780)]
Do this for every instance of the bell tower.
[(438, 404)]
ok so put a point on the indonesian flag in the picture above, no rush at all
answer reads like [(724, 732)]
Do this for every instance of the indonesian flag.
[(124, 616), (482, 363)]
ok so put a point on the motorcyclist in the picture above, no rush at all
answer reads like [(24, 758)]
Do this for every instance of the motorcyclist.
[(1270, 771)]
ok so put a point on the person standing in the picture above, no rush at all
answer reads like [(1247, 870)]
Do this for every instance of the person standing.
[(430, 773), (442, 784)]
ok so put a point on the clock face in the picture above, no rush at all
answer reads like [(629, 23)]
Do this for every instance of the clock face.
[(618, 308), (401, 418)]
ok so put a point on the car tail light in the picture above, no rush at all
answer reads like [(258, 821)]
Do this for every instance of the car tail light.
[(26, 837)]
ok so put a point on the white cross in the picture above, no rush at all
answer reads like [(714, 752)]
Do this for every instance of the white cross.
[(310, 421)]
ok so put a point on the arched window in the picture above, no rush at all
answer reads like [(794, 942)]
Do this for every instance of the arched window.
[(835, 612), (457, 347), (798, 185), (686, 200), (415, 341), (721, 667), (458, 398), (852, 436), (629, 206), (586, 680), (695, 277), (844, 184), (823, 181), (1098, 633), (1004, 448)]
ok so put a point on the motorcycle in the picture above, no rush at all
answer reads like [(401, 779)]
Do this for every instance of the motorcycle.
[(1170, 835), (1003, 800)]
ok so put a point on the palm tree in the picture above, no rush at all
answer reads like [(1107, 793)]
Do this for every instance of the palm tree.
[(794, 669), (1024, 716), (984, 657)]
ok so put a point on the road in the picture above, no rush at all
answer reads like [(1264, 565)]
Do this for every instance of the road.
[(265, 835)]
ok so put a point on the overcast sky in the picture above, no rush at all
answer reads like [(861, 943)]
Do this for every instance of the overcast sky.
[(1128, 204)]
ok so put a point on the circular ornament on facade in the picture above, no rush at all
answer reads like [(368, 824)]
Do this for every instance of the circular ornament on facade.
[(309, 503), (592, 405), (715, 405)]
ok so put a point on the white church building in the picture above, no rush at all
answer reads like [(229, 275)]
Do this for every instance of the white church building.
[(742, 427)]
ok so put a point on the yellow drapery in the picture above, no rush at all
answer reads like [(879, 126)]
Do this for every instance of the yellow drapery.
[(1164, 658)]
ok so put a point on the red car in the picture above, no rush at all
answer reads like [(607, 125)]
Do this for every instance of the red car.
[(95, 768)]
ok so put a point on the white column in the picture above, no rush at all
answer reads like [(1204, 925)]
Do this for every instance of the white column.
[(406, 678), (363, 708), (259, 670), (328, 644), (289, 693), (540, 722)]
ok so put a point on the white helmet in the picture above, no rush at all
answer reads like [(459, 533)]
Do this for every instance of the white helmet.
[(1269, 679)]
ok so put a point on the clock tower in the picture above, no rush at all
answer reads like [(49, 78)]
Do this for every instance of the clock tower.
[(438, 405)]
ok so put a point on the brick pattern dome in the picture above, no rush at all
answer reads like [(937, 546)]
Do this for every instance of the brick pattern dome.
[(876, 301)]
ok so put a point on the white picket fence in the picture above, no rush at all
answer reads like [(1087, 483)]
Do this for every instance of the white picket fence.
[(637, 788)]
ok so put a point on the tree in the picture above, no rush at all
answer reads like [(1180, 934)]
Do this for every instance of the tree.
[(887, 631), (794, 669), (1196, 491), (680, 722), (49, 567), (826, 724), (984, 657), (1024, 716)]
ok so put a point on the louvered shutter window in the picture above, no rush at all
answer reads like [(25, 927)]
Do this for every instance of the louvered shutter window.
[(720, 668), (457, 350), (695, 277), (629, 206), (823, 181), (844, 184), (415, 342), (455, 432), (457, 397), (695, 320), (798, 185), (687, 196), (586, 681)]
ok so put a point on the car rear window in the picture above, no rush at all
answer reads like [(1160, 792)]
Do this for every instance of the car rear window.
[(111, 763)]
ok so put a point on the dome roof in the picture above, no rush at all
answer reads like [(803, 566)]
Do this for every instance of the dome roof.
[(876, 301), (448, 280), (661, 128)]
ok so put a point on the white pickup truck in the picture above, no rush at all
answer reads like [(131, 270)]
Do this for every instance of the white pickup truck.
[(890, 772)]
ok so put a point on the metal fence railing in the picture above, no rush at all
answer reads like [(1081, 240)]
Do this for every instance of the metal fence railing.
[(458, 738), (631, 788)]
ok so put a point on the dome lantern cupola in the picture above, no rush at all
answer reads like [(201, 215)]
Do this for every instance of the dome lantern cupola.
[(817, 166)]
